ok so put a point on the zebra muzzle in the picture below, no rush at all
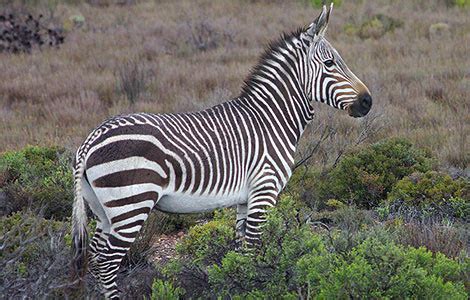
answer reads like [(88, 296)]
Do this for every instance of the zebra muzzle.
[(361, 106)]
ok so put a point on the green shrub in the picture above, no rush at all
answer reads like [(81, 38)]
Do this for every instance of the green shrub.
[(374, 27), (208, 242), (271, 271), (304, 185), (204, 245), (39, 177), (461, 3), (295, 262), (365, 177), (430, 195), (165, 290), (384, 270), (33, 254)]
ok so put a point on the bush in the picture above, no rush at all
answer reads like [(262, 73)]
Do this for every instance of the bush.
[(133, 80), (365, 177), (165, 290), (449, 240), (35, 261), (374, 27), (22, 34), (383, 270), (34, 254), (208, 242), (38, 177), (295, 262), (458, 3), (204, 245), (304, 185), (348, 227), (431, 195), (271, 271)]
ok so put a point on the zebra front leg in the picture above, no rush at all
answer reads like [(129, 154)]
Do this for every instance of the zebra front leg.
[(258, 204), (240, 227)]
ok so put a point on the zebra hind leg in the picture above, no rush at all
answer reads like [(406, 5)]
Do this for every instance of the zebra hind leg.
[(118, 243), (115, 232), (125, 226)]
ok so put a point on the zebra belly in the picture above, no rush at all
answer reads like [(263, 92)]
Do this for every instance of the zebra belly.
[(184, 203)]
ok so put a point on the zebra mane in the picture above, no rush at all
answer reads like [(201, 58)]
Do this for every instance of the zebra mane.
[(273, 47)]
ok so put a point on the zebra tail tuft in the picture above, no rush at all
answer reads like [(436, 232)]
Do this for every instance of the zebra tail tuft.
[(79, 230)]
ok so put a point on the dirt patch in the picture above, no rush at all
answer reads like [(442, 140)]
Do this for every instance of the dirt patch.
[(165, 247)]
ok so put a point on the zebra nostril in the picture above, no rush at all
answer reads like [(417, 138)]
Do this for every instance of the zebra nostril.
[(366, 100)]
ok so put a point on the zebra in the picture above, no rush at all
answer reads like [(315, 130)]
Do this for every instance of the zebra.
[(237, 153)]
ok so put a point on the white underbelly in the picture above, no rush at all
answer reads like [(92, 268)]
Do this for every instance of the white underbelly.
[(182, 203)]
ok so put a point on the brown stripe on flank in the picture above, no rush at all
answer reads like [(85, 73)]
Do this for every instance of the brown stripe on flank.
[(130, 214), (117, 242), (125, 149), (130, 177), (130, 225), (133, 199), (129, 234)]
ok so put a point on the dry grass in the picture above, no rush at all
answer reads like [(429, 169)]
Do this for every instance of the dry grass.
[(200, 51)]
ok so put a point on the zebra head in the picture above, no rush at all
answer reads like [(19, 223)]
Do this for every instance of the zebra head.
[(330, 80)]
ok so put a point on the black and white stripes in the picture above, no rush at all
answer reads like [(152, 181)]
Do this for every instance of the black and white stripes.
[(239, 152)]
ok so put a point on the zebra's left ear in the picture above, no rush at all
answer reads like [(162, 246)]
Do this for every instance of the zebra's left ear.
[(318, 28)]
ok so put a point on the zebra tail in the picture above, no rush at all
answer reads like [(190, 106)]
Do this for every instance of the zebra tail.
[(79, 230)]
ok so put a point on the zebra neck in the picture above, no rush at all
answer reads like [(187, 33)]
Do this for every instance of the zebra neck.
[(282, 104), (277, 86)]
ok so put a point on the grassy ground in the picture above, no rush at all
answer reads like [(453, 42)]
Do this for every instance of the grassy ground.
[(192, 54)]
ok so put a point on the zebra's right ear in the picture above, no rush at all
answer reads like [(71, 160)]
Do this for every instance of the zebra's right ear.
[(318, 28)]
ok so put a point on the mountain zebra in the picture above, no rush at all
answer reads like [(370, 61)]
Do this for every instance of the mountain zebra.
[(239, 152)]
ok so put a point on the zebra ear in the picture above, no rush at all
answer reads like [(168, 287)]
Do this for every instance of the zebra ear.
[(318, 28)]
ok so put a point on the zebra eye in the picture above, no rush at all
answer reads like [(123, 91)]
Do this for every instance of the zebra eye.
[(329, 63)]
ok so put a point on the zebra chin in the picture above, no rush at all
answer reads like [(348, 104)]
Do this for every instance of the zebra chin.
[(361, 106)]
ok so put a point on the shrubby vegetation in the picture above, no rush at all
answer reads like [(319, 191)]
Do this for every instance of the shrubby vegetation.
[(364, 177), (295, 261), (25, 33), (430, 195), (381, 223), (34, 253), (374, 27), (38, 178)]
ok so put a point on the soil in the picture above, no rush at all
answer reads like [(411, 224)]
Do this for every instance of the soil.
[(165, 247)]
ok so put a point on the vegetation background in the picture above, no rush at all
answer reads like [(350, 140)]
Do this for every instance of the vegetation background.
[(407, 161)]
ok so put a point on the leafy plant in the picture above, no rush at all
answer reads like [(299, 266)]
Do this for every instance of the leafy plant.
[(374, 27), (165, 290), (39, 177), (365, 177), (384, 270), (430, 195), (34, 253), (295, 261)]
